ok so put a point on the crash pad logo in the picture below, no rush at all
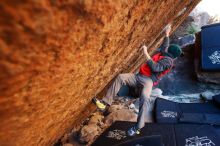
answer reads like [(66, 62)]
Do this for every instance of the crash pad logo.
[(169, 114), (117, 134), (196, 141), (215, 57)]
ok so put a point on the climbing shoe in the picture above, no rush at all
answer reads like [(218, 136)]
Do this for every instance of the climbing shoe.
[(133, 131), (101, 106)]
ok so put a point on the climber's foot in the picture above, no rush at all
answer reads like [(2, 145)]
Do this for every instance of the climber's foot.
[(133, 131), (101, 105)]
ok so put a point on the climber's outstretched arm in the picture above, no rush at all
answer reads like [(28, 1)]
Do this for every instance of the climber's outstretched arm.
[(166, 42), (146, 54)]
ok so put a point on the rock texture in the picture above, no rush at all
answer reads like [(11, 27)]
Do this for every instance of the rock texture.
[(120, 115), (88, 133), (56, 55)]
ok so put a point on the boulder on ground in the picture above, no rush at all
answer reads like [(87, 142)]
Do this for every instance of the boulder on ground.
[(121, 115), (207, 95), (115, 107), (96, 119), (88, 133), (205, 76), (92, 129)]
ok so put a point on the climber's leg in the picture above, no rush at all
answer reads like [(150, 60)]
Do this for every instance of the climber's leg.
[(145, 102), (122, 79), (143, 107)]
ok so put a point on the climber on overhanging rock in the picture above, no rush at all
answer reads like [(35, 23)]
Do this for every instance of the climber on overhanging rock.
[(149, 75)]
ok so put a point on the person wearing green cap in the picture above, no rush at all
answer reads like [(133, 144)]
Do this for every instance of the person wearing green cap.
[(149, 75)]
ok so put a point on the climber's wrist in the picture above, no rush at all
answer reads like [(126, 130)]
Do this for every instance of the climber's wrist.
[(147, 56)]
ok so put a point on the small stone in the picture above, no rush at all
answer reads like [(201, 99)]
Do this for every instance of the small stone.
[(136, 110), (156, 92), (132, 106), (207, 95)]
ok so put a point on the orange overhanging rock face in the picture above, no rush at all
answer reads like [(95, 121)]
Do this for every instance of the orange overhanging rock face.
[(56, 55)]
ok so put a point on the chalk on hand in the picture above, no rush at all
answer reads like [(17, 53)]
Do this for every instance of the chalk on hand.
[(168, 27)]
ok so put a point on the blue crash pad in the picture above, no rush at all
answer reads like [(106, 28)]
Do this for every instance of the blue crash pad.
[(172, 112), (116, 134), (166, 111), (154, 140), (165, 134), (210, 39)]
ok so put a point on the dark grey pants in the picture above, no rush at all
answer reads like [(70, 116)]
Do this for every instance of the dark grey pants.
[(132, 80)]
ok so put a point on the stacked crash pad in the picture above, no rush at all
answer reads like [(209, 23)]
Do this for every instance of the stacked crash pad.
[(206, 59), (210, 39)]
